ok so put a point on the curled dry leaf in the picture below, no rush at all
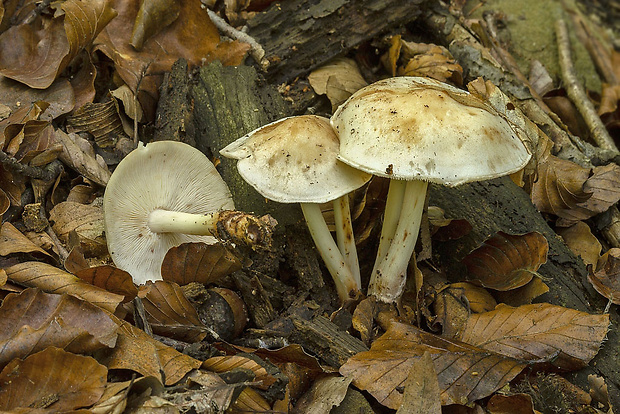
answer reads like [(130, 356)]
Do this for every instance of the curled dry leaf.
[(13, 241), (153, 16), (604, 184), (541, 332), (52, 379), (170, 313), (59, 95), (445, 229), (338, 79), (100, 119), (205, 390), (479, 299), (34, 320), (606, 277), (581, 241), (85, 219), (465, 373), (250, 401), (506, 261), (514, 404), (111, 279), (559, 189), (35, 54), (137, 351), (79, 155), (523, 295), (221, 364), (53, 280), (198, 262)]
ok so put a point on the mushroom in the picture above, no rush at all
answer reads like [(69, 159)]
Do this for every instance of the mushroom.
[(415, 131), (157, 199), (294, 160)]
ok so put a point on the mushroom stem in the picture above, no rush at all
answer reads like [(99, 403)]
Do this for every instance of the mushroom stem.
[(390, 274), (345, 237), (346, 284), (165, 221), (393, 205)]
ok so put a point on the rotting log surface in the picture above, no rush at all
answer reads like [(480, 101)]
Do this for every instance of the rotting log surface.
[(299, 36)]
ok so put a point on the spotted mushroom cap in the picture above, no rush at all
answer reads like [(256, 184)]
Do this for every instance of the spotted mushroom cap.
[(161, 175), (418, 128), (294, 160)]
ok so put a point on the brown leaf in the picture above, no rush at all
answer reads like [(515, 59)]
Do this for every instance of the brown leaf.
[(33, 320), (221, 364), (511, 404), (35, 54), (5, 203), (198, 262), (85, 219), (52, 379), (250, 401), (13, 241), (170, 313), (59, 95), (80, 155), (338, 79), (422, 394), (111, 279), (53, 280), (436, 63), (506, 261), (606, 278), (325, 393), (523, 295), (100, 119), (581, 241), (559, 189), (541, 332), (137, 351), (604, 184), (465, 373), (479, 299), (153, 16)]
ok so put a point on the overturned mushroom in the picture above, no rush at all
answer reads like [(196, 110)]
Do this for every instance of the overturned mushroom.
[(293, 160), (415, 131), (162, 195)]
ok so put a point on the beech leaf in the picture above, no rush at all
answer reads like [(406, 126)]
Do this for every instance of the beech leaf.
[(506, 261), (606, 277), (53, 379), (541, 332), (198, 262), (465, 373)]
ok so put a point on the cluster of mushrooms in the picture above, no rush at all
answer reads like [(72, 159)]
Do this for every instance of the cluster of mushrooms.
[(411, 130)]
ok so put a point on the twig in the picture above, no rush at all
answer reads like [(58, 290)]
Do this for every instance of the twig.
[(577, 94), (256, 50), (48, 173)]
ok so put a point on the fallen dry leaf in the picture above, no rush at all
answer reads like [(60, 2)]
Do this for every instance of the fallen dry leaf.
[(111, 279), (79, 155), (221, 364), (479, 299), (606, 278), (506, 261), (53, 280), (33, 320), (559, 189), (422, 394), (137, 351), (153, 17), (566, 338), (604, 184), (170, 313), (511, 404), (205, 391), (86, 220), (338, 79), (100, 119), (581, 241), (198, 262), (52, 379), (36, 54), (13, 241), (523, 295), (465, 373), (325, 393), (59, 96), (250, 401)]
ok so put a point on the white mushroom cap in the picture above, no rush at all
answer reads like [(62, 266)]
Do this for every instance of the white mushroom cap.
[(164, 175), (294, 160), (417, 128)]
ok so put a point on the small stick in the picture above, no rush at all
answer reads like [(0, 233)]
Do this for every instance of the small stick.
[(256, 50), (48, 173), (577, 94)]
